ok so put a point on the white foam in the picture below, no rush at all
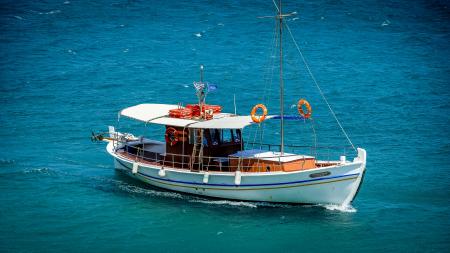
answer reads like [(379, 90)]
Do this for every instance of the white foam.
[(240, 203), (340, 208), (45, 171), (268, 204), (224, 202), (134, 189), (6, 161), (49, 12)]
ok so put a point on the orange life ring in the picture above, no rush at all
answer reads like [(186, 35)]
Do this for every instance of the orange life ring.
[(302, 102), (171, 136), (257, 118)]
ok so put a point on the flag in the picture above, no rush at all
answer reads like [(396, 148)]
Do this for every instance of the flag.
[(212, 87)]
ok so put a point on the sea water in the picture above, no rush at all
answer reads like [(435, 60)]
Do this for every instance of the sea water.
[(68, 67)]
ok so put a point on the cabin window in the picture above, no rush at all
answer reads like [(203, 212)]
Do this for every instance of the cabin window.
[(237, 136), (205, 139), (227, 135), (192, 136), (215, 137)]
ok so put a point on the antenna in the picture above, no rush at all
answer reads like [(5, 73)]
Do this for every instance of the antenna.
[(201, 73), (234, 101)]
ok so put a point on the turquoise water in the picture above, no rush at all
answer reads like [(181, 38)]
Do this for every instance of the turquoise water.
[(68, 67)]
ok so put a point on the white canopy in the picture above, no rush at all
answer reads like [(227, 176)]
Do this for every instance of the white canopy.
[(147, 112), (159, 114), (228, 122)]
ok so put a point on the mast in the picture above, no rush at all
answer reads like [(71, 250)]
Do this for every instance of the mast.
[(280, 16), (201, 92)]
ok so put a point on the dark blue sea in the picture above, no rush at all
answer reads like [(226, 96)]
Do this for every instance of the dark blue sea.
[(68, 67)]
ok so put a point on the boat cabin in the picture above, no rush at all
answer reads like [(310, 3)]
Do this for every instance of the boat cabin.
[(212, 144)]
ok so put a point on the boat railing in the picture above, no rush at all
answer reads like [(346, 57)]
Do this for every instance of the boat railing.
[(229, 163)]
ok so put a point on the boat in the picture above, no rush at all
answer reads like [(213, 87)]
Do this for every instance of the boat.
[(204, 152)]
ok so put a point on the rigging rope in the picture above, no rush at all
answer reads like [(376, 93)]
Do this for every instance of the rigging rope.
[(276, 6), (318, 87), (314, 79), (268, 79)]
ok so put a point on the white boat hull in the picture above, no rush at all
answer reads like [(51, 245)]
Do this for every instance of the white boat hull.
[(338, 185)]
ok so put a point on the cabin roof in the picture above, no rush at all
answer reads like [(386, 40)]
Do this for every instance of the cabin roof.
[(159, 114)]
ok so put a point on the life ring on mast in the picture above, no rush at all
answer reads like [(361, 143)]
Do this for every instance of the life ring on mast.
[(171, 136), (300, 104), (258, 118)]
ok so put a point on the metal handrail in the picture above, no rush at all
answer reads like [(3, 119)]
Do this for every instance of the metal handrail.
[(319, 152), (242, 164)]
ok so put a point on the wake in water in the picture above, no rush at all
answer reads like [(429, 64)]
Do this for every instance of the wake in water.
[(236, 203), (240, 203), (6, 161), (340, 208), (44, 171), (138, 190), (111, 185), (46, 12), (224, 202)]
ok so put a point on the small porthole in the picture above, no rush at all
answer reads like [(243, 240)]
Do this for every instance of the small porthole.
[(268, 168)]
